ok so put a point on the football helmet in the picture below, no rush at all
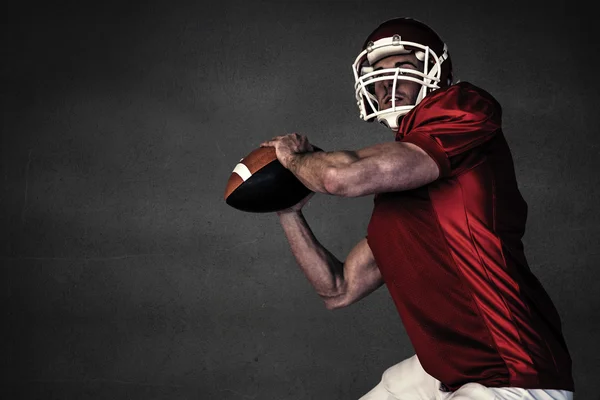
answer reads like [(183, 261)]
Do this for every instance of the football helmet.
[(395, 37)]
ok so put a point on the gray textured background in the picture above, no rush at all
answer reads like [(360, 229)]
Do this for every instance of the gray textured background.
[(126, 276)]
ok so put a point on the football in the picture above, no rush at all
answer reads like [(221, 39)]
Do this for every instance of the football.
[(259, 184)]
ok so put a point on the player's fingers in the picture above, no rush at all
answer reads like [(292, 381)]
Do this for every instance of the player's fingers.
[(299, 137), (271, 142), (274, 139)]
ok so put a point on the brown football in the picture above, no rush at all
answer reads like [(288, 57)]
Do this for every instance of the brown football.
[(259, 183)]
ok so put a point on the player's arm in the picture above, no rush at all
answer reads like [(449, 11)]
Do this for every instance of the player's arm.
[(338, 283), (384, 167)]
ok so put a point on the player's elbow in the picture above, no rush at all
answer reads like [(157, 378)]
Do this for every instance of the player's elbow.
[(336, 183), (333, 305), (335, 302), (331, 181)]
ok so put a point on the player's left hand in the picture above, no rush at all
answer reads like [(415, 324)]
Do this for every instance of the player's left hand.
[(287, 146)]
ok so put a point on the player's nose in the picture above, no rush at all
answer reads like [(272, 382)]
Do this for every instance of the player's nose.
[(388, 85)]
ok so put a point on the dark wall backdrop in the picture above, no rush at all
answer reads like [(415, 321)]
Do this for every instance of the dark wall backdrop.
[(124, 273)]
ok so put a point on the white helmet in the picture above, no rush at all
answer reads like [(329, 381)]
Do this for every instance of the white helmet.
[(395, 37)]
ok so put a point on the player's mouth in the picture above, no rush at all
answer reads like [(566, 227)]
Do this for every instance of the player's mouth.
[(387, 101)]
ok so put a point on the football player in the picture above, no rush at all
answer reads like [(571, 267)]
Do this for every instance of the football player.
[(445, 231)]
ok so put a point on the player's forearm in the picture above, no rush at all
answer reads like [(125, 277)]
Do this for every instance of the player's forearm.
[(316, 170), (323, 270), (381, 168)]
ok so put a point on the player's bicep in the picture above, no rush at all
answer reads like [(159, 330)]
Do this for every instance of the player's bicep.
[(361, 277)]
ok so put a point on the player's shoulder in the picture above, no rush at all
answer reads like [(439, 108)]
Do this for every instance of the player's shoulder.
[(466, 97), (459, 103)]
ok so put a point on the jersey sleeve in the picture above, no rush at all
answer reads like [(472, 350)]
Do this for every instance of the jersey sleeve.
[(452, 125)]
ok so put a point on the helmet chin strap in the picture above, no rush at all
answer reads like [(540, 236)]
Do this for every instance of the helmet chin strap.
[(392, 119)]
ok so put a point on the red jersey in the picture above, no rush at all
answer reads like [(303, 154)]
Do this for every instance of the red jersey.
[(451, 254)]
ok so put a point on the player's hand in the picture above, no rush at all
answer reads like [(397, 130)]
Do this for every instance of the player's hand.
[(289, 145)]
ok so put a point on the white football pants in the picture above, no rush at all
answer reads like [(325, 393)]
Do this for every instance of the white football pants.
[(409, 381)]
